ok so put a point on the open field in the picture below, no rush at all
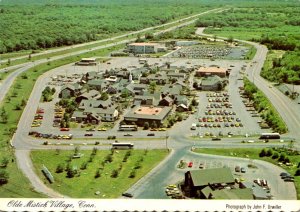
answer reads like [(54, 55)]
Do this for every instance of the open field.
[(253, 153), (109, 187)]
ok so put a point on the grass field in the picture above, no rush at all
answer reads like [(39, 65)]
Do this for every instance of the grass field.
[(253, 153), (108, 186)]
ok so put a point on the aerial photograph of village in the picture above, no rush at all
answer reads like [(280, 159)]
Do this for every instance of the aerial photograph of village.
[(149, 99)]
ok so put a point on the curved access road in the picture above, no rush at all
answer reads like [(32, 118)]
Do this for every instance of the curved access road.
[(288, 109)]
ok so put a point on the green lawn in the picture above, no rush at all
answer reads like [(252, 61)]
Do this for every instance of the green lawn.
[(18, 186), (253, 153), (108, 186)]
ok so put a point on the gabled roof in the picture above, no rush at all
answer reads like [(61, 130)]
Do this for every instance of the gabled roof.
[(100, 111), (245, 193), (86, 103), (171, 89), (90, 94), (97, 82), (211, 80), (211, 176)]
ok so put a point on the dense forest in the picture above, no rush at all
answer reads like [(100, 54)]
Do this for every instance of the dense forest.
[(285, 69), (275, 25), (46, 24)]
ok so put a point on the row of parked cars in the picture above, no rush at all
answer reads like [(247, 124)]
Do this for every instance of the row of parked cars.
[(287, 177), (38, 117), (49, 136)]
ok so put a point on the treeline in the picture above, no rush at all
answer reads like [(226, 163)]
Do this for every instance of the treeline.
[(285, 69), (36, 25), (264, 107)]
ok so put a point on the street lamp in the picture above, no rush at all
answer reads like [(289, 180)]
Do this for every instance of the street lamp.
[(167, 136)]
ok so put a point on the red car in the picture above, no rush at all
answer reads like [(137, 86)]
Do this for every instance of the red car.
[(190, 165), (64, 129)]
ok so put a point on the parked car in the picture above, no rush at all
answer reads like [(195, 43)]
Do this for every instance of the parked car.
[(237, 169), (289, 179), (88, 134), (150, 134), (91, 130), (190, 165), (127, 195), (243, 170), (201, 166), (64, 129), (128, 134)]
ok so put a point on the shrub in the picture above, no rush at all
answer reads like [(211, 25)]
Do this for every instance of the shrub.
[(137, 165)]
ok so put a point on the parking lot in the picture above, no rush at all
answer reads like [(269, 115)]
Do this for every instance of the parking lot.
[(224, 113)]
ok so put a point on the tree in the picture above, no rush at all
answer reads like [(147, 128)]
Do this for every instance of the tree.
[(4, 162), (3, 116), (282, 157), (109, 158), (59, 168), (76, 150), (152, 87), (83, 165), (132, 174), (275, 155), (97, 174), (262, 153), (104, 96), (3, 176), (297, 173), (115, 173), (146, 125), (269, 152)]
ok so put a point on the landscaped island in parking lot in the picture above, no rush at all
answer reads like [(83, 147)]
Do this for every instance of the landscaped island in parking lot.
[(100, 173)]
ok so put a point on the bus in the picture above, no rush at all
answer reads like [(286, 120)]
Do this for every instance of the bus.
[(269, 136), (122, 145), (128, 128)]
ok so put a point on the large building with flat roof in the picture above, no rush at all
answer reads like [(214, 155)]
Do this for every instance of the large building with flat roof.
[(145, 48), (141, 114), (208, 71)]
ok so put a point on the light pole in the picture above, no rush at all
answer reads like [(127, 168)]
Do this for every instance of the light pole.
[(167, 136)]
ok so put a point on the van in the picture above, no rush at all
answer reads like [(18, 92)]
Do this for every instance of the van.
[(193, 127)]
